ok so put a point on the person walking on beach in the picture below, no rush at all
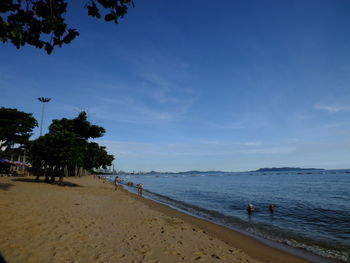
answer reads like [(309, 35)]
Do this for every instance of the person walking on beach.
[(116, 181), (139, 189)]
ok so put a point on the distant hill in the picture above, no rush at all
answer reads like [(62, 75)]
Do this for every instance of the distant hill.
[(273, 169), (285, 169)]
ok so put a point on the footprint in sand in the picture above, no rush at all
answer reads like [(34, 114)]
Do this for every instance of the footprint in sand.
[(215, 256), (131, 238), (121, 256)]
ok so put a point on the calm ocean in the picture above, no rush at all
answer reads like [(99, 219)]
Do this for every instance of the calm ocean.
[(313, 207)]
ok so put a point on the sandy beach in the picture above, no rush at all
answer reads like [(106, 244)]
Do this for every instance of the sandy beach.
[(88, 221)]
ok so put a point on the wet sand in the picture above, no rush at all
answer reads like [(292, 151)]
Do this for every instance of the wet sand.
[(88, 221)]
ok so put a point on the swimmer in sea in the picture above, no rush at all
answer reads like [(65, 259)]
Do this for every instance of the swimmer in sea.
[(251, 208), (272, 208)]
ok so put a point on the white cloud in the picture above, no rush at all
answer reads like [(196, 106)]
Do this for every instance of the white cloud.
[(252, 143), (332, 108)]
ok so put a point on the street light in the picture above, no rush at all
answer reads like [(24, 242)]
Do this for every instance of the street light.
[(43, 100)]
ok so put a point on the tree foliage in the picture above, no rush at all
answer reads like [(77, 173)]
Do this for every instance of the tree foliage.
[(41, 23), (79, 126), (67, 145), (15, 127)]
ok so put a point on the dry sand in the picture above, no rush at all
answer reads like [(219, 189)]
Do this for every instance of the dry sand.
[(91, 222)]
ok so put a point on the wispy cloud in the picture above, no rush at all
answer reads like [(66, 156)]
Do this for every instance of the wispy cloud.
[(130, 111), (225, 126), (145, 99), (135, 107), (141, 107), (226, 156), (253, 143), (158, 91), (337, 125), (210, 148), (332, 108), (304, 116), (269, 149)]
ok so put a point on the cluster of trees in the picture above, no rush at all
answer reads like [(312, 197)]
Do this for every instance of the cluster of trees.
[(64, 151), (41, 23), (15, 129)]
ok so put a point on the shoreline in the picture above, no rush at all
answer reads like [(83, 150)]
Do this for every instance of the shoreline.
[(268, 250), (294, 251), (90, 222)]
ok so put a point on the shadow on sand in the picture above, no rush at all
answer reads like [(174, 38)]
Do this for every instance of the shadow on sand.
[(5, 187), (32, 180), (2, 260)]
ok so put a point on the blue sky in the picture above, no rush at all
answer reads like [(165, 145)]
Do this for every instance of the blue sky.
[(182, 85)]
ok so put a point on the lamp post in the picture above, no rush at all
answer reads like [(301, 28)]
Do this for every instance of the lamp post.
[(43, 100)]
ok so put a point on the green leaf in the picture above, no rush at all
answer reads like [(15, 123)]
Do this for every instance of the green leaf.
[(109, 17), (48, 48)]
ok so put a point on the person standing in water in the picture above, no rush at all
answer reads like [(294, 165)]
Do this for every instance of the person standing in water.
[(251, 208), (272, 208), (139, 189)]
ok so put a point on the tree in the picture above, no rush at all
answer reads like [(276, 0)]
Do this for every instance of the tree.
[(67, 146), (97, 156), (40, 23), (15, 128), (79, 126)]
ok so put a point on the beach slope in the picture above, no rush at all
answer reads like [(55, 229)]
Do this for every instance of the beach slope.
[(87, 221)]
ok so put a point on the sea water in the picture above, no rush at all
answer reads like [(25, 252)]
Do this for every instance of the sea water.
[(312, 207)]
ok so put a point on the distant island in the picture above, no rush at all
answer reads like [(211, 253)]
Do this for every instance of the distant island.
[(272, 169), (284, 169)]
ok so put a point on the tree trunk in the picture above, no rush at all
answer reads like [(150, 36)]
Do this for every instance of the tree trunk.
[(47, 179), (37, 172), (52, 180), (60, 181), (52, 175), (60, 172), (65, 171), (80, 171), (71, 170), (46, 173)]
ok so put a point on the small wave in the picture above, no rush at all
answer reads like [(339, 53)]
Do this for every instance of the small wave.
[(290, 225), (256, 229)]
